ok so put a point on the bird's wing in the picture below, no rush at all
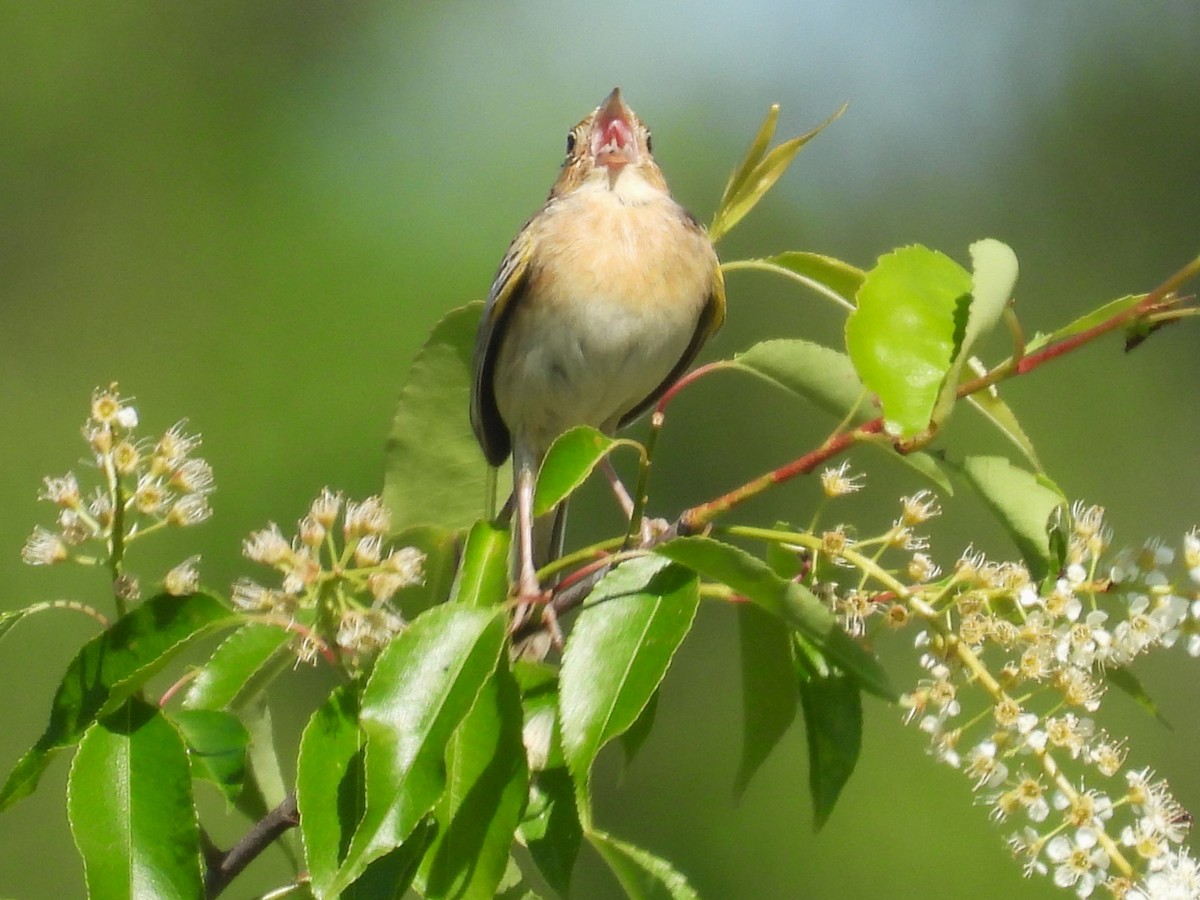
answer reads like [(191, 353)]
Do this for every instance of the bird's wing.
[(710, 321), (507, 289)]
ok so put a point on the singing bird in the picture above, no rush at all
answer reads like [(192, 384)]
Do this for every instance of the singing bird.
[(601, 302)]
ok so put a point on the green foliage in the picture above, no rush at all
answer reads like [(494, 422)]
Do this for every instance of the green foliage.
[(1023, 503), (422, 687), (551, 828), (758, 172), (238, 668), (487, 784), (329, 788), (617, 656), (903, 337), (435, 472), (571, 459), (789, 600), (643, 875), (130, 804), (482, 578), (110, 669), (768, 686), (446, 758), (835, 279), (828, 380), (832, 704), (216, 744)]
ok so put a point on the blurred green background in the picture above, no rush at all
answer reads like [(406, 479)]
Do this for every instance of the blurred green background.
[(250, 214)]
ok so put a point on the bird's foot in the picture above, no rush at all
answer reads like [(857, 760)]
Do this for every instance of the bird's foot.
[(530, 597), (652, 531)]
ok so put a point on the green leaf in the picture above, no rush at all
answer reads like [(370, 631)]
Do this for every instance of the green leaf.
[(903, 337), (768, 686), (643, 875), (539, 701), (617, 655), (1124, 680), (832, 706), (436, 473), (827, 379), (758, 172), (1085, 322), (421, 688), (487, 784), (829, 277), (239, 668), (390, 876), (551, 827), (571, 459), (792, 602), (754, 154), (329, 788), (216, 743), (999, 414), (129, 801), (109, 669), (482, 578), (820, 375), (635, 735), (1022, 502), (331, 794), (993, 277)]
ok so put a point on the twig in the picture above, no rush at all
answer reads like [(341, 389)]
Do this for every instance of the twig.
[(227, 866), (1153, 303)]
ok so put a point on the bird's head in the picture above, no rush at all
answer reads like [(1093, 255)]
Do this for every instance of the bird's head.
[(607, 145)]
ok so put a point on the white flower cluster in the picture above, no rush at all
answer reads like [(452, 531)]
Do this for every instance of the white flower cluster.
[(1038, 660), (144, 486), (338, 592)]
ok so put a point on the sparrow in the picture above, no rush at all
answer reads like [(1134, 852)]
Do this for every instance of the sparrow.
[(602, 301)]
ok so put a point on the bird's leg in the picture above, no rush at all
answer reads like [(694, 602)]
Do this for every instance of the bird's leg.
[(524, 476), (618, 487), (529, 591), (648, 527)]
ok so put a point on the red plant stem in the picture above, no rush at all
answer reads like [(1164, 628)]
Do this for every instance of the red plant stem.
[(174, 688), (583, 572), (696, 518), (689, 378), (1150, 303)]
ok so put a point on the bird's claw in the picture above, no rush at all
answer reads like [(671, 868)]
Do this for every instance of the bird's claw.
[(528, 599), (652, 531)]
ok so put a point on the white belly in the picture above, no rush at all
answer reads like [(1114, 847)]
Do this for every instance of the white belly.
[(587, 369)]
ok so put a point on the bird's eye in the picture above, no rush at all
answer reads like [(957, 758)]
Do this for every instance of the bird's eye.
[(649, 143), (570, 142)]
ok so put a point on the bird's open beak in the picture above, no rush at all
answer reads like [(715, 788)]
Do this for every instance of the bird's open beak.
[(614, 143)]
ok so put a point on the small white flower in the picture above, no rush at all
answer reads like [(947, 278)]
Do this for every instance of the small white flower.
[(184, 578), (62, 491), (267, 546), (44, 548), (1177, 878), (838, 482), (367, 517), (1079, 861), (983, 766)]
